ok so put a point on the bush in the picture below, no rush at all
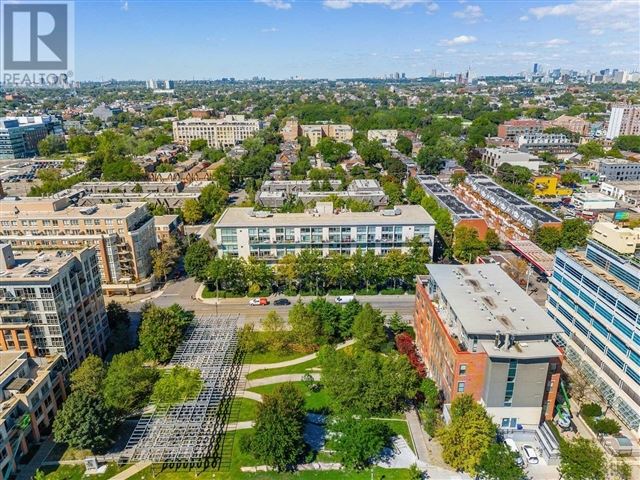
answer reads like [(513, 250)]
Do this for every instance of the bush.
[(392, 291), (591, 410), (605, 426), (369, 291)]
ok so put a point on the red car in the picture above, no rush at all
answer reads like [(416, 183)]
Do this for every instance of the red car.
[(254, 302)]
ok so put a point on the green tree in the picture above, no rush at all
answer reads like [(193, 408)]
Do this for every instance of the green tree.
[(278, 432), (548, 238), (404, 145), (161, 331), (306, 327), (467, 246), (457, 178), (213, 199), (89, 376), (574, 233), (198, 144), (339, 270), (177, 386), (50, 145), (499, 463), (192, 211), (621, 470), (196, 259), (492, 239), (582, 459), (359, 441), (348, 313), (570, 179), (128, 383), (591, 150), (84, 422), (368, 328), (628, 142), (467, 438), (274, 331), (372, 152)]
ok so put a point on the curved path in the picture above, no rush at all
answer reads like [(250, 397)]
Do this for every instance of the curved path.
[(292, 377)]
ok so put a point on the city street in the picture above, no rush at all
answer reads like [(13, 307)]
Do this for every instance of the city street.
[(183, 292)]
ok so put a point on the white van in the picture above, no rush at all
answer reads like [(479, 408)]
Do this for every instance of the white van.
[(344, 299)]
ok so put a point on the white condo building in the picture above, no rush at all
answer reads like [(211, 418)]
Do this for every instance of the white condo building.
[(218, 132)]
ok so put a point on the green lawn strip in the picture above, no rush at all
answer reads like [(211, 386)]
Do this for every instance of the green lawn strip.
[(400, 427), (314, 401), (303, 367), (76, 472), (245, 408)]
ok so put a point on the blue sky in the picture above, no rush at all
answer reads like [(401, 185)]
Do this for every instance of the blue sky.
[(140, 39)]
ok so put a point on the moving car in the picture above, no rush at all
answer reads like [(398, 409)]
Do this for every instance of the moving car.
[(254, 302), (344, 299), (282, 301), (530, 454)]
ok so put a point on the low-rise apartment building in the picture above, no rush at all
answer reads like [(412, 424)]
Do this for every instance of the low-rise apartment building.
[(387, 137), (496, 156), (218, 132), (512, 129), (628, 191), (293, 129), (594, 296), (557, 144), (460, 213), (574, 124), (244, 232), (123, 235), (31, 392), (52, 304), (479, 333), (511, 216)]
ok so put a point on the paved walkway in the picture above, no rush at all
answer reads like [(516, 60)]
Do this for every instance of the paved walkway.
[(240, 425), (29, 470), (292, 377), (129, 472), (252, 367), (417, 435), (250, 395)]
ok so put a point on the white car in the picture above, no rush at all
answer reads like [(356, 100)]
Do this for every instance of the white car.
[(512, 446), (530, 454), (344, 299)]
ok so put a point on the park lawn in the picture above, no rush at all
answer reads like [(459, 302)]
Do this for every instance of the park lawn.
[(272, 357), (304, 367), (378, 474), (314, 401), (245, 407), (400, 427), (76, 472)]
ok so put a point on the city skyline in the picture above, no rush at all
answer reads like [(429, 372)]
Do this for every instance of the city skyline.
[(280, 39)]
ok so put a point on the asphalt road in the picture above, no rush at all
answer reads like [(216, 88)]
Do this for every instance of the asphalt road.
[(183, 292)]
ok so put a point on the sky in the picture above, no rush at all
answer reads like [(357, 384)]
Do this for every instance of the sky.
[(276, 39)]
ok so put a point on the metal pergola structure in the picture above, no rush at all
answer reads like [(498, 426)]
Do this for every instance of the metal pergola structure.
[(190, 434)]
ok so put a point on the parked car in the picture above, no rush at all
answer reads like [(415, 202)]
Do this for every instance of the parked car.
[(344, 299), (254, 302), (530, 454), (282, 301), (512, 446)]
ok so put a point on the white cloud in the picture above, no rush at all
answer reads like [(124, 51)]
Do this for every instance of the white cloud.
[(596, 31), (430, 5), (124, 6), (459, 40), (602, 15), (470, 13), (277, 4), (269, 30), (524, 18), (553, 43), (417, 50)]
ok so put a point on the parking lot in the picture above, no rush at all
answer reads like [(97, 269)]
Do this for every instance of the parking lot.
[(18, 176)]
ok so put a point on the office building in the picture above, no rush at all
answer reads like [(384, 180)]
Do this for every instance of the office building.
[(557, 144), (512, 129), (511, 216), (218, 132), (31, 392), (590, 201), (623, 120), (52, 304), (616, 169), (594, 297), (628, 192), (122, 234), (244, 232), (293, 129), (460, 213), (479, 333), (19, 136), (493, 157)]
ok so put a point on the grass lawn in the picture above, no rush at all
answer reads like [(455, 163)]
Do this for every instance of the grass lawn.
[(378, 474), (76, 472), (400, 427), (61, 451), (246, 407), (314, 401), (303, 367), (272, 357)]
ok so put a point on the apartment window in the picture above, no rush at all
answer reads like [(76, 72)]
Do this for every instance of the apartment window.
[(460, 387), (462, 369)]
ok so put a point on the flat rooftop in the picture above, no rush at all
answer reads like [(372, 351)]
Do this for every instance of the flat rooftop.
[(12, 207), (44, 266), (485, 300), (433, 187), (242, 217)]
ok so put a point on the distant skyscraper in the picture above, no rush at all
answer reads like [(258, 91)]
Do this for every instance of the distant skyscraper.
[(536, 68)]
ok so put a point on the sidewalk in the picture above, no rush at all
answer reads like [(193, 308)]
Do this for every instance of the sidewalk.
[(29, 470)]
